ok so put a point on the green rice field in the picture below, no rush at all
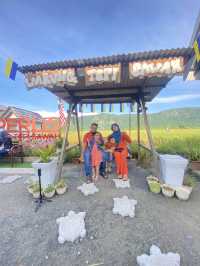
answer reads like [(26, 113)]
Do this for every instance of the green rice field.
[(183, 141)]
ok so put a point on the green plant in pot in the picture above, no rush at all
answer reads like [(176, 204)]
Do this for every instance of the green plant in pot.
[(49, 191), (36, 190), (168, 191), (61, 187), (154, 184), (194, 156), (184, 192), (45, 154), (154, 187), (31, 186), (48, 165)]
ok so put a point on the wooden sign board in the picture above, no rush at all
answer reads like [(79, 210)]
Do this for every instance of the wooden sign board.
[(157, 67), (50, 78), (95, 75), (69, 77), (101, 74)]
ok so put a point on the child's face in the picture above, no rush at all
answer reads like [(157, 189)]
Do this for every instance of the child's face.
[(97, 137), (112, 140)]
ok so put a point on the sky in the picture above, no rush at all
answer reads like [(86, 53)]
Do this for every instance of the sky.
[(40, 31)]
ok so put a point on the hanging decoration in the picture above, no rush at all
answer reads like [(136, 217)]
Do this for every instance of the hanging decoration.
[(92, 108), (111, 108), (121, 107), (131, 107), (103, 108), (80, 108)]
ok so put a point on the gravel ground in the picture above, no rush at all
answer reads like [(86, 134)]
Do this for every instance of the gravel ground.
[(29, 238)]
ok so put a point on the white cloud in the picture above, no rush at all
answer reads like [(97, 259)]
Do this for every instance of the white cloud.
[(175, 99)]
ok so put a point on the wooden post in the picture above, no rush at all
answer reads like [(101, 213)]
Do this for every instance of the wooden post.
[(147, 127), (78, 130), (138, 131), (149, 135), (65, 142)]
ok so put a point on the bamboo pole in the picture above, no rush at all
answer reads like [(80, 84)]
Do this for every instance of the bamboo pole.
[(138, 131), (65, 142), (78, 130), (147, 127), (149, 136)]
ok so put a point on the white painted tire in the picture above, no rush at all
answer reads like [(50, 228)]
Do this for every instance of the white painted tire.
[(183, 193), (166, 192), (36, 195), (61, 191), (49, 194)]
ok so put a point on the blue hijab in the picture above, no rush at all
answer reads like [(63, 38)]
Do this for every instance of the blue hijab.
[(116, 134)]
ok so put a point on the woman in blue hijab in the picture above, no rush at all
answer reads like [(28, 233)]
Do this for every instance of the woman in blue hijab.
[(121, 151), (116, 133)]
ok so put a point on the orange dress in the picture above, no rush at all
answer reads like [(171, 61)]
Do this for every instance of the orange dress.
[(121, 156), (96, 156)]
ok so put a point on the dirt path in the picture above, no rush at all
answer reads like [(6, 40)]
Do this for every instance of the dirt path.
[(29, 238)]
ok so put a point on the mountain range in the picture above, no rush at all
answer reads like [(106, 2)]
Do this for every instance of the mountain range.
[(173, 118)]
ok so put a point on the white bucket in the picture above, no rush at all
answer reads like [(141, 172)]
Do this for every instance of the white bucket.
[(173, 169)]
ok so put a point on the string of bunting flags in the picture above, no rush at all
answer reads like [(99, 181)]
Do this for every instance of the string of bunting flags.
[(103, 107)]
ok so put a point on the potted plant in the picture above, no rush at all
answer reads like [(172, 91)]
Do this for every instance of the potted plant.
[(154, 184), (61, 187), (152, 178), (194, 156), (30, 187), (48, 165), (167, 190), (36, 191), (49, 191), (184, 192)]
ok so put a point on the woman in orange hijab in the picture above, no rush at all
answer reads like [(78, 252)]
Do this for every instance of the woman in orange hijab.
[(121, 151)]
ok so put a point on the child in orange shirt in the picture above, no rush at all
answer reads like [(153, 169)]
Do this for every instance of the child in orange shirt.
[(110, 147), (96, 156)]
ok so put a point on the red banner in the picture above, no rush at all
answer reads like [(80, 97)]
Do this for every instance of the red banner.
[(26, 128)]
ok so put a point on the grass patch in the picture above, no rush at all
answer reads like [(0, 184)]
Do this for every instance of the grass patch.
[(71, 155), (16, 165)]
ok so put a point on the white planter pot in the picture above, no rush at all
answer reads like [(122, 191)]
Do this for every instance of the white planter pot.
[(152, 178), (36, 195), (168, 192), (183, 192), (30, 190), (173, 169), (61, 190), (48, 172), (49, 194)]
